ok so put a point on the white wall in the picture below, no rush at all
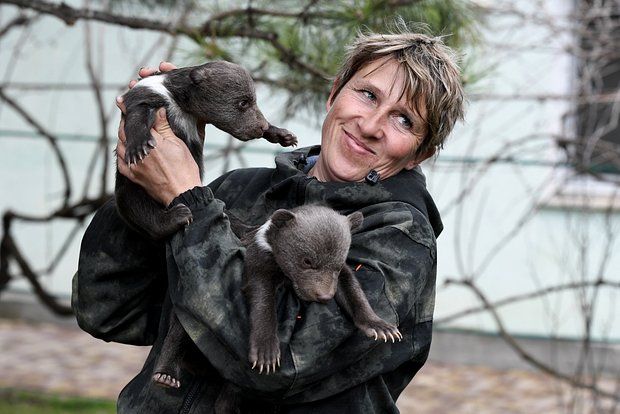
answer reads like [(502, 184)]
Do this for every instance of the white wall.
[(507, 210)]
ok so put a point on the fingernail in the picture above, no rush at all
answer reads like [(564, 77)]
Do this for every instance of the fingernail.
[(161, 112), (119, 99)]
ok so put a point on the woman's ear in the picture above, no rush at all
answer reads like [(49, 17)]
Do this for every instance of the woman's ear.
[(420, 158), (330, 99)]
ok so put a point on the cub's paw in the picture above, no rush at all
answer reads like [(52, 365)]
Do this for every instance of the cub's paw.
[(136, 151), (280, 136), (168, 222), (179, 215), (265, 355), (380, 329), (166, 380)]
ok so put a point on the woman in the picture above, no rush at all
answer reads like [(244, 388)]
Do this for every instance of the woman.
[(391, 106)]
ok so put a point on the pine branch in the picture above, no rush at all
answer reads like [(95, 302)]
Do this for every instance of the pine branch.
[(210, 27)]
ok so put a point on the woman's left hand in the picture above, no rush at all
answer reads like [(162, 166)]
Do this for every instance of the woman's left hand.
[(168, 170)]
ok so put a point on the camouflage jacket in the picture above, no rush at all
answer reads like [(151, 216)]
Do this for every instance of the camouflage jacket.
[(125, 285)]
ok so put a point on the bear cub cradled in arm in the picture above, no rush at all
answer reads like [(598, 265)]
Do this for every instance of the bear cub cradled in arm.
[(305, 248)]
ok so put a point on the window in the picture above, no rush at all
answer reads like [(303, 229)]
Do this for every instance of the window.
[(597, 145)]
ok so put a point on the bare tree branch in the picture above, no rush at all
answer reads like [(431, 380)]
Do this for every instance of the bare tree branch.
[(512, 342), (20, 20), (103, 119), (522, 297)]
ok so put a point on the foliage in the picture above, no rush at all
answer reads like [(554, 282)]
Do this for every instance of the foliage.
[(22, 402)]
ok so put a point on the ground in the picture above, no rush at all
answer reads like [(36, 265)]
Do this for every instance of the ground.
[(64, 360)]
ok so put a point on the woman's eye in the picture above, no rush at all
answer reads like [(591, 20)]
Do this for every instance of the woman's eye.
[(405, 121), (369, 95)]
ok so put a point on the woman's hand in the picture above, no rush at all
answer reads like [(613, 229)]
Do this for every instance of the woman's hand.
[(164, 66), (147, 71), (168, 170)]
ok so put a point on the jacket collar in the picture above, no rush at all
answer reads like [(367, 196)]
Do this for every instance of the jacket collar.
[(408, 186)]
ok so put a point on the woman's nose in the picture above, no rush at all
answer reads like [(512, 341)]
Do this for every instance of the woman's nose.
[(372, 124)]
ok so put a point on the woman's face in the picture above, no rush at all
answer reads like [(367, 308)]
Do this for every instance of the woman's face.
[(370, 125)]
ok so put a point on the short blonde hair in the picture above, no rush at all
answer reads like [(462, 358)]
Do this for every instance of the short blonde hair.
[(433, 77)]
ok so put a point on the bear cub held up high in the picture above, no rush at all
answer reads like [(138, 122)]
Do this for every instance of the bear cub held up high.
[(219, 93)]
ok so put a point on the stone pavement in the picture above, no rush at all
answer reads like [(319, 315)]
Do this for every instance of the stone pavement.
[(65, 360)]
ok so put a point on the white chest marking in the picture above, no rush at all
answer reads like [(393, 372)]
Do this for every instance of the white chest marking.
[(156, 84), (183, 120), (261, 236)]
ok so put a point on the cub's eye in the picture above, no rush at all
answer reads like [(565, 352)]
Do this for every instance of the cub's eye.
[(244, 104), (307, 263)]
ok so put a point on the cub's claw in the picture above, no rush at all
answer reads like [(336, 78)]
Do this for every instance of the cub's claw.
[(264, 354), (135, 152), (379, 329), (166, 380)]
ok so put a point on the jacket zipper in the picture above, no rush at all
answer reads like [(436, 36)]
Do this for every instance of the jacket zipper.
[(189, 399)]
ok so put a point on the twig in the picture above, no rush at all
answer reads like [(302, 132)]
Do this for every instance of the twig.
[(510, 340), (50, 138), (70, 15), (20, 20), (522, 297)]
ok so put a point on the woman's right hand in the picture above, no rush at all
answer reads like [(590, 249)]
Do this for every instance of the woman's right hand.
[(146, 71)]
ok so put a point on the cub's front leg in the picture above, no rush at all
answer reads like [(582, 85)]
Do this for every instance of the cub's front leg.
[(260, 290), (351, 297), (280, 136), (138, 122)]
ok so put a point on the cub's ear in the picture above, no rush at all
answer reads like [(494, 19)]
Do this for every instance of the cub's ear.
[(199, 74), (281, 217), (355, 220)]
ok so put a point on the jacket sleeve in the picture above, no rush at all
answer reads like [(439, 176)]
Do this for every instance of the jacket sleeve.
[(119, 287), (322, 352)]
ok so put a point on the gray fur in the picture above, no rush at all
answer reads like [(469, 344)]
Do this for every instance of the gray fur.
[(308, 250)]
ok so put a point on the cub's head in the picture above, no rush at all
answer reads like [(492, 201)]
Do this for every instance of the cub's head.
[(310, 244), (223, 94)]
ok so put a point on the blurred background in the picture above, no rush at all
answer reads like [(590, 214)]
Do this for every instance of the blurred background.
[(527, 315)]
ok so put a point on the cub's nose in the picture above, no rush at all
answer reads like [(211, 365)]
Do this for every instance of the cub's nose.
[(323, 297)]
